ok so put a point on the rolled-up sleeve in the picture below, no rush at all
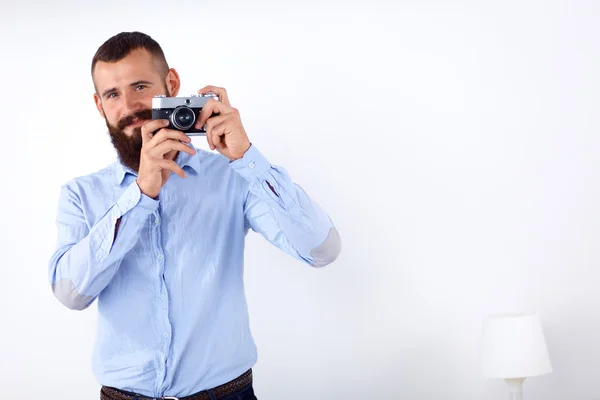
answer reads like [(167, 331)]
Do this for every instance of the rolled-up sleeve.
[(284, 213), (86, 258)]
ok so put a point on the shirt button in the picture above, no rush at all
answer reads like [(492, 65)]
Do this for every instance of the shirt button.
[(160, 257), (251, 165), (156, 221), (166, 334)]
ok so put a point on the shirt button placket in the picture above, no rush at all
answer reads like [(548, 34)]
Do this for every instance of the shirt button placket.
[(164, 305)]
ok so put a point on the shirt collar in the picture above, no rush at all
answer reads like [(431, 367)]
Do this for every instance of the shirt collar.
[(183, 159)]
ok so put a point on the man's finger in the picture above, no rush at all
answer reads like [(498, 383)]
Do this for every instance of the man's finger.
[(211, 107), (166, 134), (172, 166), (216, 120), (221, 92), (211, 124), (209, 139), (217, 132), (150, 127), (163, 148)]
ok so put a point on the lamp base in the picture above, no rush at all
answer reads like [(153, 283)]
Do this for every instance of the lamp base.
[(515, 388)]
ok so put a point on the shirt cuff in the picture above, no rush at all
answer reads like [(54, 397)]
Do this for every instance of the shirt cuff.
[(252, 166), (135, 201)]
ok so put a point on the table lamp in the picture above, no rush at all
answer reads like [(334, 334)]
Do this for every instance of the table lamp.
[(513, 348)]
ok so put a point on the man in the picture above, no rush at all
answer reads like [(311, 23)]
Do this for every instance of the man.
[(157, 237)]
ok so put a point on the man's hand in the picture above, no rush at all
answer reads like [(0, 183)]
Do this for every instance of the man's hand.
[(156, 158), (224, 131)]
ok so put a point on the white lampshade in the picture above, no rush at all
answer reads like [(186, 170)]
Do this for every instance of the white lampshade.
[(513, 346)]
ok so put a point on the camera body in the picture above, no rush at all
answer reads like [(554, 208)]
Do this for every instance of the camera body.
[(181, 112)]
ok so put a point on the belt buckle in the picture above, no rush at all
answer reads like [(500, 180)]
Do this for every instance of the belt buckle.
[(169, 398)]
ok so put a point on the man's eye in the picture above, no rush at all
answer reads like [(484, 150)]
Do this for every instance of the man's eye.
[(139, 87), (111, 95)]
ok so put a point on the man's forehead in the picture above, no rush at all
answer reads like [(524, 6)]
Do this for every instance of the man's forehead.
[(138, 65)]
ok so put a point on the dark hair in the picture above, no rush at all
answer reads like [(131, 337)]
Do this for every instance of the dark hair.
[(119, 46)]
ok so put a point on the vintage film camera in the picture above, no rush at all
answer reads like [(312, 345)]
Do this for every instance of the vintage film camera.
[(181, 112)]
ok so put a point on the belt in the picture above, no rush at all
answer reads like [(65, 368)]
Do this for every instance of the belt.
[(221, 391)]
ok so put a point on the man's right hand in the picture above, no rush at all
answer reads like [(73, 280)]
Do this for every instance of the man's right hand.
[(156, 158)]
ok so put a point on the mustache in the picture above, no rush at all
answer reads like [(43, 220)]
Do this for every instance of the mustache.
[(128, 120)]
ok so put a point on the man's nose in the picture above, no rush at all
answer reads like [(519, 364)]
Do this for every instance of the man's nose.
[(130, 105)]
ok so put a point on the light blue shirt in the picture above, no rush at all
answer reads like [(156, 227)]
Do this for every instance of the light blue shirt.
[(172, 313)]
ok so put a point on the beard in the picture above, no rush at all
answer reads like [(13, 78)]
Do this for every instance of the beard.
[(128, 147)]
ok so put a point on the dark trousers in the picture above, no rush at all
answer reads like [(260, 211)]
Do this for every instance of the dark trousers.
[(246, 394)]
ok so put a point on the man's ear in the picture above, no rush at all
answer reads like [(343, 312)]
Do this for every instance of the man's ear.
[(172, 82), (99, 105)]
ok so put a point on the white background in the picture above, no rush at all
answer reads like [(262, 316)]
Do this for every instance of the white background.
[(454, 144)]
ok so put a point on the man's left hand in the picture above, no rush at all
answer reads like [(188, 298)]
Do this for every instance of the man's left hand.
[(224, 131)]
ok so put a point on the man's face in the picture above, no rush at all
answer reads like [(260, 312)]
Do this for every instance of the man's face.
[(124, 98)]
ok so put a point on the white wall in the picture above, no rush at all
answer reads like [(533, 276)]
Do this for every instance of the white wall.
[(454, 143)]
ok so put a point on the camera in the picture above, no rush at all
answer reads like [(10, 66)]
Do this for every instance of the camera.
[(181, 112)]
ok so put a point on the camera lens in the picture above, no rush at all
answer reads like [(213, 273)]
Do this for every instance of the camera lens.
[(183, 118)]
